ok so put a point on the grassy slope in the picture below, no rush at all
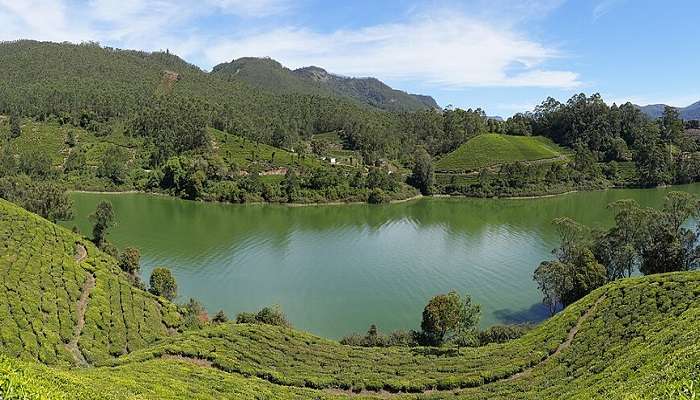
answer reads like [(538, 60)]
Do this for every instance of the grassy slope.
[(50, 138), (494, 149), (640, 341), (244, 152), (41, 284)]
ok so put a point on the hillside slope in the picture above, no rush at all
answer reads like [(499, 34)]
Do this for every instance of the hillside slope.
[(63, 302), (634, 338), (270, 75), (494, 149), (687, 113), (88, 84)]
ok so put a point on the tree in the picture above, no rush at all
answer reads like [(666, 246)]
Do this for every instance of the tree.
[(267, 315), (670, 246), (194, 314), (220, 317), (320, 146), (448, 315), (575, 273), (104, 221), (163, 283), (654, 165), (113, 165), (554, 281), (15, 127), (72, 139), (129, 260), (423, 176), (290, 184), (671, 125), (35, 163), (8, 162), (44, 198)]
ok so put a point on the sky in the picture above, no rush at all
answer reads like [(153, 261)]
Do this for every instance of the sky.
[(504, 56)]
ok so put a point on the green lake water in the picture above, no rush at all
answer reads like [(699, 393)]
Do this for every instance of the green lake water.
[(338, 269)]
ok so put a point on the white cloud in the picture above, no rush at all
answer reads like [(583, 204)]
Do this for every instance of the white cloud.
[(604, 7), (447, 50), (147, 24)]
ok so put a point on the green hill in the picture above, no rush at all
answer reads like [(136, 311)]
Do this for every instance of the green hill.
[(494, 149), (270, 75), (54, 281), (634, 338), (87, 84)]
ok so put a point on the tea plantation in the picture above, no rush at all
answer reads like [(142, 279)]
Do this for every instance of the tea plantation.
[(42, 282), (635, 338), (492, 149)]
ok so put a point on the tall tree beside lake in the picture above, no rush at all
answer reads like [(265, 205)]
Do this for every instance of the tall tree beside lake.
[(104, 220), (423, 176)]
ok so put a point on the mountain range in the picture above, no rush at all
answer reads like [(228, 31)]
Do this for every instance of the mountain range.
[(691, 112), (270, 75)]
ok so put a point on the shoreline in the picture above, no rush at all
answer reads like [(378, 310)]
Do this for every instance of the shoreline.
[(331, 203), (398, 201)]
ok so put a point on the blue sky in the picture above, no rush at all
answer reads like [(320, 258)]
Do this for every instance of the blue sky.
[(502, 55)]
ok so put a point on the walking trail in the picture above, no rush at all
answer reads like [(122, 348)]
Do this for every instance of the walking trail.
[(85, 290)]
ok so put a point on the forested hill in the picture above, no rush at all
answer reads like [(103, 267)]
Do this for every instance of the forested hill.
[(270, 75), (88, 85)]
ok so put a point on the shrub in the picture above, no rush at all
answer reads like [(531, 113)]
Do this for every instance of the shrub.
[(163, 283), (129, 260), (268, 316), (376, 196), (502, 333)]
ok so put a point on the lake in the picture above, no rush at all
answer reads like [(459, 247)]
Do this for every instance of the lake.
[(338, 269)]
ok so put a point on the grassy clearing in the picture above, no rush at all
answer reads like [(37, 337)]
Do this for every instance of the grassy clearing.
[(493, 149), (244, 153)]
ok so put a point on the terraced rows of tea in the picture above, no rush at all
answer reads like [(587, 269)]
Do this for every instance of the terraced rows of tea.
[(42, 283), (634, 338), (611, 333)]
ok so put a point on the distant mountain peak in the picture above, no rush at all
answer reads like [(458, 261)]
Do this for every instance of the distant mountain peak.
[(269, 74), (691, 112)]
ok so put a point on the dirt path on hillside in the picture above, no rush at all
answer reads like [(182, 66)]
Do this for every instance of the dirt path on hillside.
[(383, 394), (80, 253), (81, 306), (565, 344)]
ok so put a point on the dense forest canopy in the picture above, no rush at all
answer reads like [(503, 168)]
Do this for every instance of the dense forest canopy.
[(151, 115)]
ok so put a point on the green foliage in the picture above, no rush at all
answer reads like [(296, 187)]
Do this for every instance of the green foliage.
[(271, 76), (15, 126), (449, 316), (43, 198), (267, 315), (492, 149), (103, 218), (645, 239), (635, 337), (113, 165), (423, 176), (129, 260), (163, 283), (502, 333), (220, 317), (43, 283), (375, 338), (194, 315)]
